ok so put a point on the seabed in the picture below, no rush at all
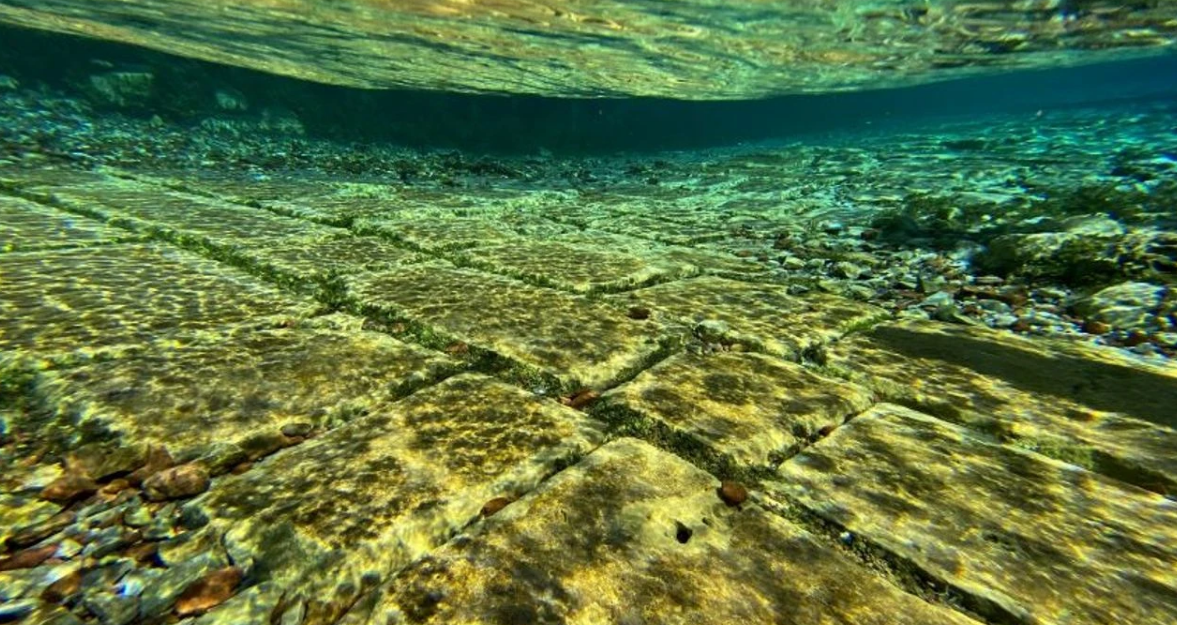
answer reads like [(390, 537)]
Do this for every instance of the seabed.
[(677, 398)]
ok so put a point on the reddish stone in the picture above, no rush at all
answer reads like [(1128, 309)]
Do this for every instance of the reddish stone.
[(28, 558), (158, 459), (1091, 326), (732, 493), (494, 505), (182, 481), (582, 398), (68, 488), (209, 591)]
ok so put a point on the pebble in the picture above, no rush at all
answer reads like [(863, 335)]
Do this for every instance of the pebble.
[(494, 505), (28, 558), (137, 515), (300, 428), (68, 488), (158, 459), (209, 591), (938, 299), (182, 481), (68, 548), (112, 609), (732, 493), (64, 588), (848, 270)]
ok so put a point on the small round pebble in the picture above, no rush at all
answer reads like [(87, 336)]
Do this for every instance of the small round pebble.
[(733, 493), (494, 505)]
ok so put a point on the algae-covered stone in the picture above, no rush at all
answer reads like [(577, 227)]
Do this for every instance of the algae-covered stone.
[(188, 218), (1125, 306), (577, 340), (440, 233), (632, 534), (1085, 405), (25, 226), (1042, 540), (762, 315), (751, 407), (580, 268), (218, 392), (312, 265), (344, 510), (85, 300)]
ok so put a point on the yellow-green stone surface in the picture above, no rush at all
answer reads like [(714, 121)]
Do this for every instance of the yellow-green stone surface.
[(1087, 406), (763, 316), (1046, 541), (66, 301), (603, 542), (748, 406), (372, 495), (577, 340), (27, 226), (229, 393)]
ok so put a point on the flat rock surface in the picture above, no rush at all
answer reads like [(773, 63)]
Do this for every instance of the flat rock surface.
[(579, 341), (634, 534), (692, 50), (1045, 541), (1086, 406), (751, 407), (761, 316), (57, 302), (27, 226), (370, 496), (230, 393)]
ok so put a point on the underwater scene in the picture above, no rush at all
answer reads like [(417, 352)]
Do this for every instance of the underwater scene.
[(801, 312)]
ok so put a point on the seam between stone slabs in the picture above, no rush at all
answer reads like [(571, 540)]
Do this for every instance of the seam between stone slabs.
[(904, 574)]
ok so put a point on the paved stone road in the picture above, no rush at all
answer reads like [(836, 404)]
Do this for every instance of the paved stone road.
[(330, 407)]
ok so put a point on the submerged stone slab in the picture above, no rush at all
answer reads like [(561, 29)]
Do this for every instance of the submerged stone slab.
[(579, 341), (580, 268), (438, 233), (752, 408), (763, 316), (1043, 541), (311, 265), (632, 534), (345, 510), (640, 224), (1090, 406), (228, 395), (83, 300), (156, 209), (25, 226)]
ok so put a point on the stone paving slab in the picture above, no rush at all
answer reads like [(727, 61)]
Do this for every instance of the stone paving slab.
[(1086, 405), (434, 233), (26, 226), (311, 265), (657, 229), (687, 261), (580, 342), (227, 395), (1044, 541), (349, 508), (581, 268), (752, 408), (635, 535), (152, 208), (85, 300), (762, 316)]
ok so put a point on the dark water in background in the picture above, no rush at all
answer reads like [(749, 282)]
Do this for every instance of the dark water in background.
[(528, 123)]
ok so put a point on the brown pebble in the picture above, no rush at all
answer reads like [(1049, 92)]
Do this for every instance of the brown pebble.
[(639, 313), (582, 398), (209, 591), (65, 587), (182, 481), (28, 558), (68, 488), (158, 459), (826, 430), (241, 468), (1091, 326), (732, 493), (494, 505), (116, 486)]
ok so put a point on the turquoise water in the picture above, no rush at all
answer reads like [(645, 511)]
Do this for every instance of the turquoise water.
[(600, 313)]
